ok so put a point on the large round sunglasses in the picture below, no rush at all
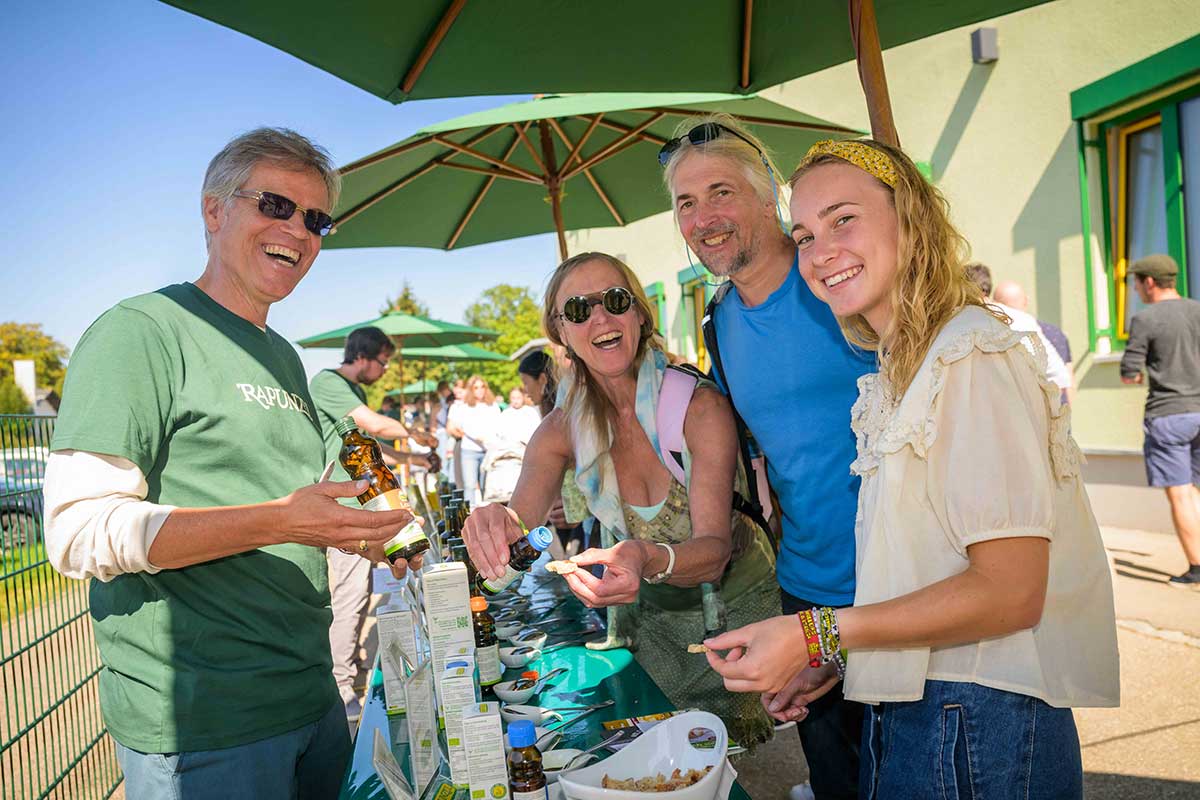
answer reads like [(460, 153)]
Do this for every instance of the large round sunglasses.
[(276, 206), (701, 134), (616, 301)]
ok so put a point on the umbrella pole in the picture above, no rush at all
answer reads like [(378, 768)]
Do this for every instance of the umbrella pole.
[(865, 33), (554, 186)]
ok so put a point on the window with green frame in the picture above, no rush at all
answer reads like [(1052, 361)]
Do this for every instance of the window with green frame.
[(696, 289), (1143, 126), (658, 306)]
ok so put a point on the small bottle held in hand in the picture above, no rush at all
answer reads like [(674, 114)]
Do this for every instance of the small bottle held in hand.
[(487, 646), (526, 779), (521, 555), (363, 460)]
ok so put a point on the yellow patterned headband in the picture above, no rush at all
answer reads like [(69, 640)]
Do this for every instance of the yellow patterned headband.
[(863, 156)]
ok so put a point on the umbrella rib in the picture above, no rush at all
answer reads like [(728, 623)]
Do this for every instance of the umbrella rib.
[(524, 139), (485, 157), (398, 150), (747, 19), (489, 171), (645, 137), (617, 145), (431, 46), (767, 121), (587, 173), (410, 177), (575, 148), (487, 186)]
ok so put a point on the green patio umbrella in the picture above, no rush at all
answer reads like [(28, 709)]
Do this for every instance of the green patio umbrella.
[(407, 330), (450, 48), (423, 386), (554, 163), (453, 352)]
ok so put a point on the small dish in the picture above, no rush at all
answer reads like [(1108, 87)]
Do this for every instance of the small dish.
[(509, 628), (529, 637), (519, 656), (554, 760), (505, 691), (535, 714)]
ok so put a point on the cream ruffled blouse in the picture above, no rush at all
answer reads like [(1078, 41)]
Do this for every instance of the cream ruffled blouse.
[(980, 448)]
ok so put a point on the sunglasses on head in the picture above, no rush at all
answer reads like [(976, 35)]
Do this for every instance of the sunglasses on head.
[(616, 301), (276, 206), (702, 134)]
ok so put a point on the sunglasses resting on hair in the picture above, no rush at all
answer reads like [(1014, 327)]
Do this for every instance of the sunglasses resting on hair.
[(276, 206), (701, 134)]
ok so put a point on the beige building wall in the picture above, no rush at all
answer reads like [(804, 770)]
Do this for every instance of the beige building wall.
[(1002, 146)]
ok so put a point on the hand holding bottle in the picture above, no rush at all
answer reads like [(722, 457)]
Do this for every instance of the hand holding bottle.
[(488, 532)]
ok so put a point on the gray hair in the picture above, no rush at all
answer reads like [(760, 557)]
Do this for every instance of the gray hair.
[(230, 168), (760, 175)]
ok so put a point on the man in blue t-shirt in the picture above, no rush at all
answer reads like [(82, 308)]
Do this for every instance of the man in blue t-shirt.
[(792, 378)]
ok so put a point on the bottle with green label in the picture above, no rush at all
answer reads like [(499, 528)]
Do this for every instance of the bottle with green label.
[(526, 778), (363, 460), (521, 555)]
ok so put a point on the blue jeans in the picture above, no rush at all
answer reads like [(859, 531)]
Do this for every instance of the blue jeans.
[(305, 764), (472, 462), (966, 741), (829, 735)]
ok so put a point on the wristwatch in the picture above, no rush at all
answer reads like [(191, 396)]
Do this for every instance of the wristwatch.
[(666, 573)]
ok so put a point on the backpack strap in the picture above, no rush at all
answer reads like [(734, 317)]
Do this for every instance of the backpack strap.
[(678, 385), (752, 459)]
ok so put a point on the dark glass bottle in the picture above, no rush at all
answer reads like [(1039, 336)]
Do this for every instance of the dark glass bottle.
[(459, 553), (363, 460), (521, 555), (526, 779), (487, 646)]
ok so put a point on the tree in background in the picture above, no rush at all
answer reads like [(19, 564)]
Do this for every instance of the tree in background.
[(12, 399), (408, 303), (20, 340), (513, 311)]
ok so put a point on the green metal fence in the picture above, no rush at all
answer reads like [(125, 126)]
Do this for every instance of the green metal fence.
[(53, 743)]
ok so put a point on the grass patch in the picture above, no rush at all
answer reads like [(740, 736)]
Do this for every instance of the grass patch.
[(27, 580)]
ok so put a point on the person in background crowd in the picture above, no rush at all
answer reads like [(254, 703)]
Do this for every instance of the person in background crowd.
[(443, 397), (1057, 372), (453, 440), (536, 371), (506, 448), (388, 407), (723, 189), (338, 393), (672, 535), (182, 480), (1010, 294), (1164, 341), (983, 611), (474, 421)]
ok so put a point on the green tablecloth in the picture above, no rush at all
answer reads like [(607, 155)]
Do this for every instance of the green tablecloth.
[(592, 677)]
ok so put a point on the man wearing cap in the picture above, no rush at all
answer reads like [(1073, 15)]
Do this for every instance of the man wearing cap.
[(1164, 340)]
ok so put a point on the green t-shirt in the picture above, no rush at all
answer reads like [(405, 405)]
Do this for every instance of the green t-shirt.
[(215, 412), (335, 397)]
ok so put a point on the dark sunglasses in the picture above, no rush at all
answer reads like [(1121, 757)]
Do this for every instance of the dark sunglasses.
[(616, 301), (277, 206), (702, 134)]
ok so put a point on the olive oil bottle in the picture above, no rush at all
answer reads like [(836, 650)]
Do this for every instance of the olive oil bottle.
[(487, 646), (363, 460)]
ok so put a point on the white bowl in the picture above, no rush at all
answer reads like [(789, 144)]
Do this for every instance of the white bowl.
[(537, 733), (555, 760), (504, 690), (529, 637), (663, 748), (535, 714), (512, 658), (506, 630)]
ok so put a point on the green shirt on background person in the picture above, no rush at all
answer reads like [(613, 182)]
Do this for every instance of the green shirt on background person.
[(335, 397), (214, 411)]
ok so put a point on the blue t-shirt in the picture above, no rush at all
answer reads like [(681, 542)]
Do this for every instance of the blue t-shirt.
[(793, 378)]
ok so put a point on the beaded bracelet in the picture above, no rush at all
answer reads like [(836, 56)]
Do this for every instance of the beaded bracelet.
[(823, 638)]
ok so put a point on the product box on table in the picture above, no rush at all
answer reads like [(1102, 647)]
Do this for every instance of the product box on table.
[(483, 737)]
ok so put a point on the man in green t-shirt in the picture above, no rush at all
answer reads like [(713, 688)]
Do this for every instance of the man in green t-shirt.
[(338, 393), (182, 479)]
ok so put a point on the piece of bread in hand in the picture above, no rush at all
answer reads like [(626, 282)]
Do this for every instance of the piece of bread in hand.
[(562, 567)]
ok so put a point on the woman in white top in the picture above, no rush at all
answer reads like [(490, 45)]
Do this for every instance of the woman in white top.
[(983, 611), (474, 420)]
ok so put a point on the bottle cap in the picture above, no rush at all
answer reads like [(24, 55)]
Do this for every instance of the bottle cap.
[(530, 674), (540, 537), (344, 426), (479, 603), (521, 733)]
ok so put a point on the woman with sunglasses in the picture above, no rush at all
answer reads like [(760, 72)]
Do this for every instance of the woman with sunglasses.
[(670, 538), (984, 608)]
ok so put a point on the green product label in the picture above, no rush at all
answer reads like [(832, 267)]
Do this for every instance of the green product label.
[(409, 535), (445, 791), (500, 585)]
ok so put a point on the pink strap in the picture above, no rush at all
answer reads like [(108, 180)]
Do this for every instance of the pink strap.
[(673, 400)]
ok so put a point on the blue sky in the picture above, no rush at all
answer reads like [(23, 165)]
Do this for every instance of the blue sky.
[(111, 112)]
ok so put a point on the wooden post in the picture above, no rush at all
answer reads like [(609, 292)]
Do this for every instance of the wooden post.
[(554, 186), (865, 33)]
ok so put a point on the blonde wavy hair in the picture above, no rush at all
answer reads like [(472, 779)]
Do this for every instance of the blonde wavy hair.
[(931, 281), (585, 404)]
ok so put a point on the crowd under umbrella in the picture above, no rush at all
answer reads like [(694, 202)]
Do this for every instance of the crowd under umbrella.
[(424, 49), (407, 331), (554, 163)]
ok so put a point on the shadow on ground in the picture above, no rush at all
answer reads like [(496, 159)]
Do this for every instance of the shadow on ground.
[(1103, 786)]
